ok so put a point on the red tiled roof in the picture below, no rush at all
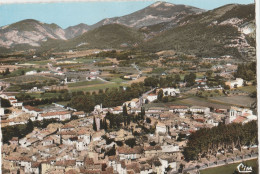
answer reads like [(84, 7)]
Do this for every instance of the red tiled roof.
[(79, 113), (239, 119), (55, 113), (152, 148), (66, 163), (179, 107), (32, 108), (125, 150), (14, 139)]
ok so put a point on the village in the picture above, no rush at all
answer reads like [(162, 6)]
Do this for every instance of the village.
[(81, 142)]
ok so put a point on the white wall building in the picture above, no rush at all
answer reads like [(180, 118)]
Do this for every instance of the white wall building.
[(235, 83), (31, 72), (151, 97)]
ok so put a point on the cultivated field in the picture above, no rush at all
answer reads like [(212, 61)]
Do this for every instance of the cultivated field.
[(244, 101)]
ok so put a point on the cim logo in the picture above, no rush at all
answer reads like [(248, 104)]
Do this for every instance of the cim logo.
[(243, 168)]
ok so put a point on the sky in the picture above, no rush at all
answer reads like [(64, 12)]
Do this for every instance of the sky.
[(67, 14)]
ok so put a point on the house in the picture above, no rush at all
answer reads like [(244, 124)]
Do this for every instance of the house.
[(14, 141), (129, 153), (17, 104), (239, 115), (169, 91), (134, 103), (95, 73), (152, 151), (31, 72), (47, 141), (117, 110), (61, 115), (235, 83), (32, 110), (168, 162), (79, 114), (200, 109), (151, 97), (91, 78), (7, 96), (170, 149), (179, 108), (2, 111), (161, 127), (167, 116)]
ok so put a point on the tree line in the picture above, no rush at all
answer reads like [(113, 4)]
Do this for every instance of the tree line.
[(109, 98), (246, 71), (209, 141)]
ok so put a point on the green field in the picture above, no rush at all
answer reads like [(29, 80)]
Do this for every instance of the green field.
[(20, 71), (249, 89), (97, 87), (85, 83), (117, 80), (40, 62), (228, 169), (244, 101), (29, 78)]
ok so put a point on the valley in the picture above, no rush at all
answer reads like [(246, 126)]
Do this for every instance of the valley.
[(166, 89)]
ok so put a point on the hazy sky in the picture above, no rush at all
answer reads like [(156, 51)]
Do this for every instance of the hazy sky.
[(67, 13)]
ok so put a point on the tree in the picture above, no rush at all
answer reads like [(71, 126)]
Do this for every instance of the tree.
[(177, 78), (94, 124), (142, 113), (151, 81), (131, 142), (22, 72), (101, 124), (190, 79), (5, 103), (209, 73), (7, 71), (160, 95), (105, 124), (148, 120), (125, 110), (29, 126)]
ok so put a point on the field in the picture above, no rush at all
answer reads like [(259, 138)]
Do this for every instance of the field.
[(97, 87), (85, 83), (196, 101), (244, 101), (21, 71), (29, 78), (248, 89), (228, 169)]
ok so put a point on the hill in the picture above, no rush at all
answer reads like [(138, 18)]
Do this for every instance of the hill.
[(154, 14), (107, 37), (29, 33), (222, 31)]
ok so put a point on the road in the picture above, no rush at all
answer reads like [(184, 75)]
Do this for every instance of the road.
[(198, 167)]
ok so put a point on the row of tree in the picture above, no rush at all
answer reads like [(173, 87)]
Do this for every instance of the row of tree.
[(209, 141), (246, 71), (109, 98), (168, 81)]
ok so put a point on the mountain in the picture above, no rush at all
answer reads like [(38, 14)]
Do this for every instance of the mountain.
[(29, 32), (107, 36), (228, 30), (76, 30), (154, 14)]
